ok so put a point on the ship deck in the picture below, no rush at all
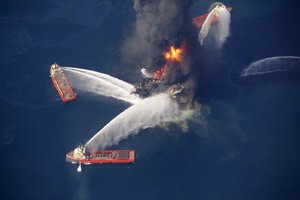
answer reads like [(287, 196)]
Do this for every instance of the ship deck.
[(104, 156)]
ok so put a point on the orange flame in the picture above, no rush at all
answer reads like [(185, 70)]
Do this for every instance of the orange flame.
[(174, 54)]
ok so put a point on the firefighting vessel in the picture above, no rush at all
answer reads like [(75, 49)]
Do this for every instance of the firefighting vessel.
[(81, 155), (199, 21), (61, 83)]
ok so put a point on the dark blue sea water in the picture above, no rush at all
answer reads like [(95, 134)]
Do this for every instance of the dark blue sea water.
[(247, 148)]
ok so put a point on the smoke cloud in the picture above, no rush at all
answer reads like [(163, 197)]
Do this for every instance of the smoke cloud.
[(272, 64), (219, 31), (157, 22)]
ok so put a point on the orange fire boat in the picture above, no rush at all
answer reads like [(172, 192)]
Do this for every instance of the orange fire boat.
[(82, 156), (199, 21), (61, 83)]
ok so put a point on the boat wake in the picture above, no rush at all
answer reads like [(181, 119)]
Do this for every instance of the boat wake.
[(100, 84), (147, 113)]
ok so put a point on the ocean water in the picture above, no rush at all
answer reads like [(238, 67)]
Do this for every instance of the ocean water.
[(247, 146)]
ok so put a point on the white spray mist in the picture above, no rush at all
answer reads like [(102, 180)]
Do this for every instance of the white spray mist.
[(147, 113), (100, 84), (219, 30), (272, 64)]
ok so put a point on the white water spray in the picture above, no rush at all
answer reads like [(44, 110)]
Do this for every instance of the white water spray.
[(100, 84), (220, 30), (147, 113), (79, 169), (272, 64)]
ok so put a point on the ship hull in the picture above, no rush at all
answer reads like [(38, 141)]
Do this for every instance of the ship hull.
[(103, 157)]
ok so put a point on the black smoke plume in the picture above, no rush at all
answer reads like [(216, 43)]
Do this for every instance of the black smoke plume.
[(158, 24)]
